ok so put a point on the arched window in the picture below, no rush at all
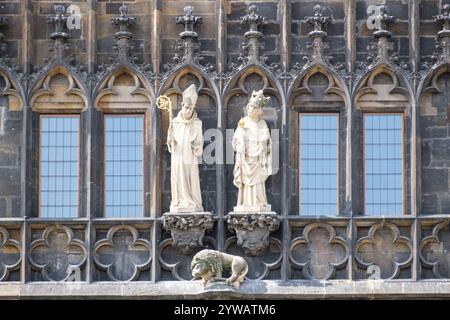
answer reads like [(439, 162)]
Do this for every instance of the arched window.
[(124, 102), (382, 110), (318, 121), (57, 103)]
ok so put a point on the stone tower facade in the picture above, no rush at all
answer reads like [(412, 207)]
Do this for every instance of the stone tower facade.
[(91, 62)]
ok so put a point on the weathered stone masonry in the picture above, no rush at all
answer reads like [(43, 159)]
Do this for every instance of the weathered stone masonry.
[(307, 59)]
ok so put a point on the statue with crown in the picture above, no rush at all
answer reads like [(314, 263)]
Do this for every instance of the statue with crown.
[(186, 220), (253, 162), (252, 218)]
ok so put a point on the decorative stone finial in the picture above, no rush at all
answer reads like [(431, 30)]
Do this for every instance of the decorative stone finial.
[(318, 46), (252, 47), (253, 20), (319, 21), (58, 20), (444, 18), (188, 44), (443, 36), (383, 19), (123, 36), (380, 49), (189, 21), (59, 36)]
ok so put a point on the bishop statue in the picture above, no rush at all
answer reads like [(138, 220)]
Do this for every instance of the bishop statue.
[(185, 143)]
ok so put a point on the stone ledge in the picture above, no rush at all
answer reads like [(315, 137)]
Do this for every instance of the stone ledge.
[(375, 289)]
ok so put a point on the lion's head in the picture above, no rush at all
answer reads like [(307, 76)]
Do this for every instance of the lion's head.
[(205, 264)]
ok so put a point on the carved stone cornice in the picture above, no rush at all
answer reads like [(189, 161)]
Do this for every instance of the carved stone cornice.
[(253, 230), (187, 229)]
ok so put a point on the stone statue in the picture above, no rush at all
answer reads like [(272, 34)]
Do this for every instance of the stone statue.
[(209, 265), (253, 164), (185, 143)]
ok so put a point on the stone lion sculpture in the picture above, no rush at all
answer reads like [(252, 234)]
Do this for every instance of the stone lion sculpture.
[(209, 265)]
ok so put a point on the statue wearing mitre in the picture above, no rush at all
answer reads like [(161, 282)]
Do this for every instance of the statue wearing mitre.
[(185, 143)]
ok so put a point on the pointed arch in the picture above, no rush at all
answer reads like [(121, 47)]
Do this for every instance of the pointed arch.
[(12, 90), (173, 84), (429, 81), (335, 89), (235, 97), (320, 90), (122, 89), (270, 84), (59, 90), (209, 111), (383, 88), (428, 86)]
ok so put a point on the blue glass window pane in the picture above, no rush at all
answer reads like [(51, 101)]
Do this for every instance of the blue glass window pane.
[(59, 149), (318, 164), (383, 147), (124, 151)]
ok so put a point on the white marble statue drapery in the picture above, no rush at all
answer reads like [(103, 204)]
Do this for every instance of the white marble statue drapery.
[(253, 163), (185, 143)]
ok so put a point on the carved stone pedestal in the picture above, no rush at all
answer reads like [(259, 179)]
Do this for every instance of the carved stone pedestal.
[(219, 286), (253, 230), (187, 229)]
